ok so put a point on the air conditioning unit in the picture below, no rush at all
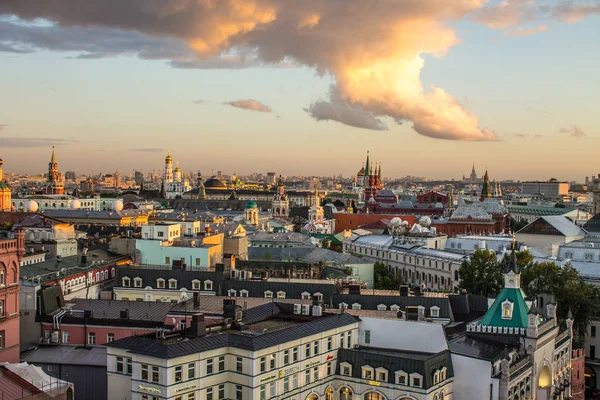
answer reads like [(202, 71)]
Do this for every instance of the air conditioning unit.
[(297, 309), (305, 309)]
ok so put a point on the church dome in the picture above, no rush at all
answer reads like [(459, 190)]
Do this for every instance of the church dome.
[(251, 204), (31, 206), (168, 158), (361, 172), (177, 169), (215, 183), (118, 205), (75, 204)]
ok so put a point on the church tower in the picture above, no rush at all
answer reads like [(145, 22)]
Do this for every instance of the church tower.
[(168, 174), (5, 193), (473, 176), (280, 205), (486, 188), (54, 183)]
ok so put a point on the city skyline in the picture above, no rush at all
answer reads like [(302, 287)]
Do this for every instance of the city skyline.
[(257, 86)]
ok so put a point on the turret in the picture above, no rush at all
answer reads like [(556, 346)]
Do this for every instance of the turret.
[(486, 190)]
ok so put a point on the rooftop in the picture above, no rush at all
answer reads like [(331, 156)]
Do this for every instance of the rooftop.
[(66, 355)]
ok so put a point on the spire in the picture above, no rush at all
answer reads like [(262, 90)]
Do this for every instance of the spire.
[(473, 170), (53, 158), (512, 263), (368, 166), (486, 190), (379, 173)]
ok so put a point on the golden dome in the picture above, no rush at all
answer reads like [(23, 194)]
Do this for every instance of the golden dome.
[(168, 158), (177, 169)]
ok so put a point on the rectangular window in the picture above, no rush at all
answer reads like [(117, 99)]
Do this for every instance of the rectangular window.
[(346, 371), (263, 364), (272, 359), (178, 374), (129, 366), (593, 331), (416, 382), (197, 261), (381, 376), (144, 375), (155, 374), (349, 345), (307, 376), (329, 369), (178, 398), (592, 352), (91, 338), (191, 396), (1, 308), (66, 337), (315, 348), (286, 384), (191, 371), (307, 350), (167, 260), (367, 337), (221, 363), (286, 357), (172, 284), (316, 374), (160, 284), (221, 392), (239, 364), (209, 394), (182, 324), (120, 365), (367, 374), (110, 338), (263, 392), (329, 343), (295, 381), (239, 392), (295, 354), (341, 340), (272, 390), (209, 366)]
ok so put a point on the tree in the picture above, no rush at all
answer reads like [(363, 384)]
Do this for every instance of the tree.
[(481, 274), (524, 260), (384, 279), (516, 226), (268, 256)]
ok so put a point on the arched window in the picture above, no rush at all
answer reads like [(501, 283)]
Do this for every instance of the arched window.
[(345, 394), (373, 396)]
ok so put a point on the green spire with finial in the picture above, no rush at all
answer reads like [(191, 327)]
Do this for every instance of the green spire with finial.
[(368, 166), (486, 190)]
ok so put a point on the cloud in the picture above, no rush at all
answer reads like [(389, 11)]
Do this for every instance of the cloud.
[(374, 50), (521, 135), (23, 142), (571, 11), (574, 131), (345, 112), (200, 101), (514, 13), (249, 104), (520, 31), (2, 126), (148, 149)]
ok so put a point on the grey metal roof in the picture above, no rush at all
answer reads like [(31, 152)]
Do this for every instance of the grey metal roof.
[(593, 224), (111, 309), (293, 290), (184, 277), (371, 302), (163, 349), (470, 346), (425, 364), (66, 355)]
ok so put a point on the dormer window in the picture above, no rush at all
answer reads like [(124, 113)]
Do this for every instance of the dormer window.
[(231, 293), (507, 309), (137, 282), (367, 372), (160, 283), (401, 378), (208, 285), (356, 306), (395, 307), (305, 296), (416, 380), (172, 283), (343, 306), (196, 284), (381, 307), (281, 294), (243, 293), (268, 294), (126, 282), (435, 311)]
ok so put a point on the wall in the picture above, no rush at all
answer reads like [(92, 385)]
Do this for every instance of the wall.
[(10, 261), (578, 375), (365, 272), (125, 246), (472, 378), (416, 336), (544, 242), (30, 329), (77, 333), (151, 252), (90, 381), (236, 245)]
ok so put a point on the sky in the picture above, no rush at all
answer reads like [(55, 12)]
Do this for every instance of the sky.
[(302, 88)]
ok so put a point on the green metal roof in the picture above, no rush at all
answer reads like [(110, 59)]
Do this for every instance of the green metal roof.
[(3, 185), (493, 316), (534, 210)]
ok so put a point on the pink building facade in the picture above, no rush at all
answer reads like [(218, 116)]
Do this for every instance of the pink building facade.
[(11, 253)]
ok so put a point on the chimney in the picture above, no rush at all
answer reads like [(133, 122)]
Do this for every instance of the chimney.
[(124, 314), (198, 327), (196, 300), (417, 290), (403, 290), (353, 289), (231, 310)]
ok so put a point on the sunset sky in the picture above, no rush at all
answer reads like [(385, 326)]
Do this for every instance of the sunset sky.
[(302, 87)]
